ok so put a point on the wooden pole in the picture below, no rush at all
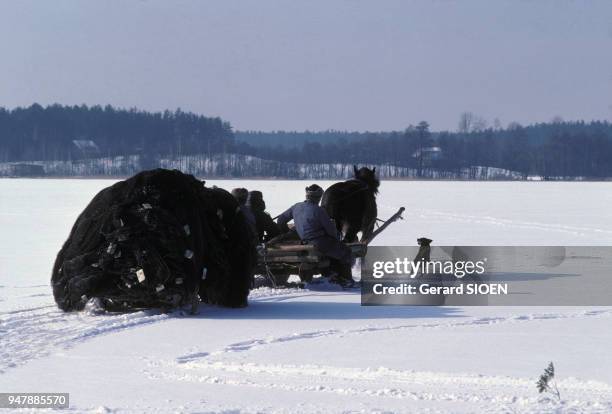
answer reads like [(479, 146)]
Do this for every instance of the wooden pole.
[(393, 218)]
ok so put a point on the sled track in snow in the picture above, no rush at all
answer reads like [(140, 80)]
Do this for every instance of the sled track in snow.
[(35, 332), (487, 393), (478, 393), (500, 222), (271, 341)]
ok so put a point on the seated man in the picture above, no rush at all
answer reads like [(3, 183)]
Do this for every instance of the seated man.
[(241, 195), (314, 226), (266, 227)]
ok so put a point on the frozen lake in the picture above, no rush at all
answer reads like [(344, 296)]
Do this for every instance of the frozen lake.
[(36, 216), (306, 350)]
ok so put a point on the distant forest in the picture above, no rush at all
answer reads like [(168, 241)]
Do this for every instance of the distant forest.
[(555, 150), (71, 132)]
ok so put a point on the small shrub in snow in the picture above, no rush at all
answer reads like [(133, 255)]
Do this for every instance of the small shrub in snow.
[(547, 382)]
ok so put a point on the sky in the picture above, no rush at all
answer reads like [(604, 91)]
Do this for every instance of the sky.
[(317, 64)]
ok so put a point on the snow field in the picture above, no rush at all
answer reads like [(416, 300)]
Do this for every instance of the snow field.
[(313, 350)]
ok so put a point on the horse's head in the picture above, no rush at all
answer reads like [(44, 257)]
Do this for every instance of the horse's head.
[(367, 176)]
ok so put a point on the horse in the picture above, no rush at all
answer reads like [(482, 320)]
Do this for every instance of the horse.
[(352, 204)]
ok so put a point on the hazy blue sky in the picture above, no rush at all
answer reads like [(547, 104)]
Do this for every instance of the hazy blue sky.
[(357, 65)]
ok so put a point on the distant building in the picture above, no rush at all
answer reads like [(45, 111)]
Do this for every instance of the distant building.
[(85, 148), (26, 170), (430, 154)]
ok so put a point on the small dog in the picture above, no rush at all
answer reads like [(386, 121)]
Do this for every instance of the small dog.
[(425, 250)]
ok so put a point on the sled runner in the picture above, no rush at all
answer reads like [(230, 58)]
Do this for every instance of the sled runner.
[(285, 255)]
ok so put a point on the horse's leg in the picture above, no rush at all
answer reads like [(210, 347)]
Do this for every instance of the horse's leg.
[(351, 232), (367, 227), (340, 227), (368, 219)]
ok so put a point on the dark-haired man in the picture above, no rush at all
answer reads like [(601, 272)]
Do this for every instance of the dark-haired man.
[(266, 227), (241, 195), (313, 225)]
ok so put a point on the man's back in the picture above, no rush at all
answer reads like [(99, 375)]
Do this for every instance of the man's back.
[(311, 221), (266, 227), (249, 216)]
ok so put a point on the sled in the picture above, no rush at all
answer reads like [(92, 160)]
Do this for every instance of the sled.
[(286, 255)]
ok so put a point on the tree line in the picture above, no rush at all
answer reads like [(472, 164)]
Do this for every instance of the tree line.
[(50, 133), (554, 150)]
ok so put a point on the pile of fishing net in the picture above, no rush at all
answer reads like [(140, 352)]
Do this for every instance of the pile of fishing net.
[(158, 239)]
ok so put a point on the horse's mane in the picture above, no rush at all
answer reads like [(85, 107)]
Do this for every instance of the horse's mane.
[(367, 177)]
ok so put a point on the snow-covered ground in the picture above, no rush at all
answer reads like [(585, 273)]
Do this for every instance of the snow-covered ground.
[(314, 350)]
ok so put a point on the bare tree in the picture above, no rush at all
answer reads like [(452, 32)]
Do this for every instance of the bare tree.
[(557, 120), (423, 131), (497, 125), (479, 124), (470, 122), (466, 120)]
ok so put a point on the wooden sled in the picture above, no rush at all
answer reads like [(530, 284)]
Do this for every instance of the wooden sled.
[(285, 255)]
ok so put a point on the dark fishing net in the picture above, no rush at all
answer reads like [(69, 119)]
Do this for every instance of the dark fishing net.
[(158, 239)]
